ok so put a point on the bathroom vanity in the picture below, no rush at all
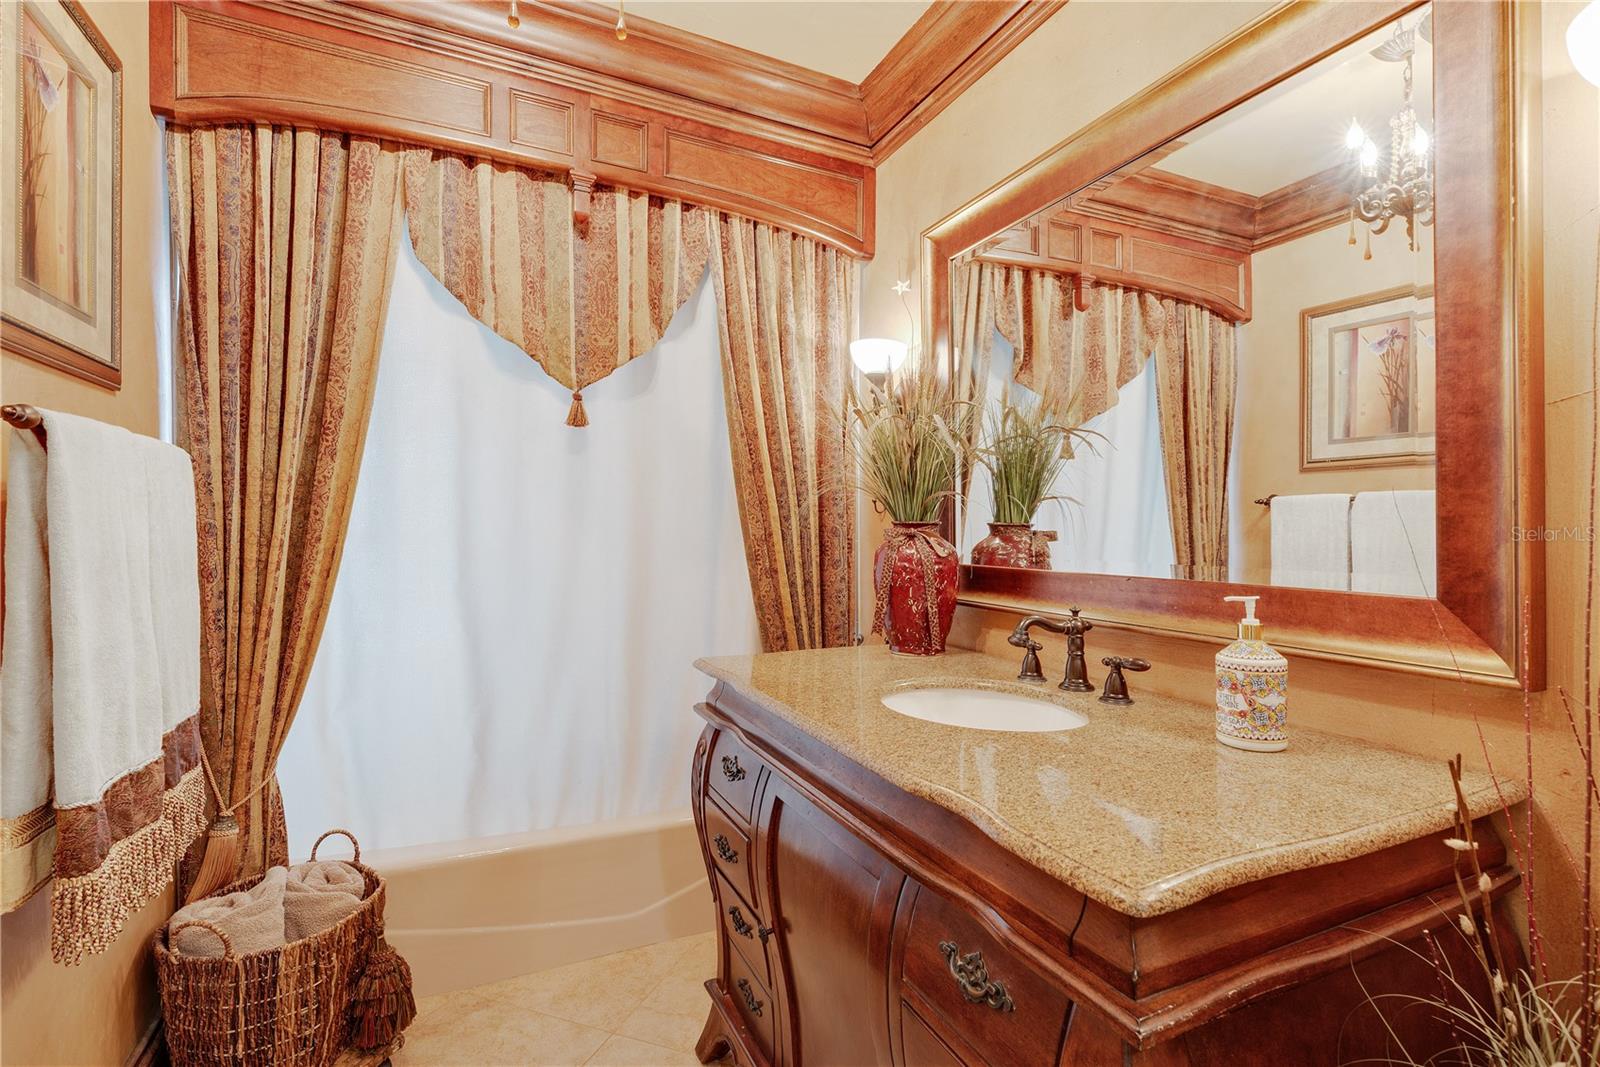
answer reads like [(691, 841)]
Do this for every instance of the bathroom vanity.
[(898, 891)]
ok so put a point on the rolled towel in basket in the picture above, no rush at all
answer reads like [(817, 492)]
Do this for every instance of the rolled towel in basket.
[(320, 894), (252, 918)]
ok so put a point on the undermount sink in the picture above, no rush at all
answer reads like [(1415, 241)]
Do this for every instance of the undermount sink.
[(984, 709)]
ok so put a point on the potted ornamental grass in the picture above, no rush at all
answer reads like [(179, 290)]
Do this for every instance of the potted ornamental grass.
[(1025, 447), (907, 439)]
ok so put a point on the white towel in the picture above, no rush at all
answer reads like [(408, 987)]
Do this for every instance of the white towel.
[(1311, 540), (1394, 543), (101, 683)]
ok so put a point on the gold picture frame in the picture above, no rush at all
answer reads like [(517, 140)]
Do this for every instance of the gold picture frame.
[(61, 171), (1368, 381)]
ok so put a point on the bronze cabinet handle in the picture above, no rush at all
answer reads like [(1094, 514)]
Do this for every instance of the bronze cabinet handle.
[(764, 932), (972, 977), (731, 769), (741, 925), (728, 853), (750, 1000)]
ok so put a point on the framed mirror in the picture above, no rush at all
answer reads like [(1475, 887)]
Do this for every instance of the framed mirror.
[(1269, 327)]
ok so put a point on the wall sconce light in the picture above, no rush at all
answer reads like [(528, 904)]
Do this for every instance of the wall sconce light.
[(1583, 42), (878, 357)]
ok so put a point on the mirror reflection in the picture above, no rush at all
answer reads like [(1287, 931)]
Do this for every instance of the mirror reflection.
[(1217, 363)]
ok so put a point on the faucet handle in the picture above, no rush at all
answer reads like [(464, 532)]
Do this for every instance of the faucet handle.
[(1116, 688), (1076, 624)]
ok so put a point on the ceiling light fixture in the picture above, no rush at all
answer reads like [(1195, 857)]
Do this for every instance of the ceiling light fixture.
[(1406, 189)]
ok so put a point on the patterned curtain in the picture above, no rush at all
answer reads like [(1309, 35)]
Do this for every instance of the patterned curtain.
[(786, 306), (1090, 355), (1195, 386), (285, 242), (580, 302)]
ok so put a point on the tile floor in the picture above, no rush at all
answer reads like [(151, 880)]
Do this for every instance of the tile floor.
[(642, 1008)]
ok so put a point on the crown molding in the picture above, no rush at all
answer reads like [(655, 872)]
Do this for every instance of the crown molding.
[(949, 48)]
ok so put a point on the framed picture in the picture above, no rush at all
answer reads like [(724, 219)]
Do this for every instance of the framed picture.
[(61, 165), (1367, 375)]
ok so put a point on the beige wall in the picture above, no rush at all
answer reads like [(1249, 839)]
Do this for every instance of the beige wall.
[(1089, 57), (96, 1013), (1319, 268)]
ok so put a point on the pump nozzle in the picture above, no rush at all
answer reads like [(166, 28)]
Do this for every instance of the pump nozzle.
[(1249, 626)]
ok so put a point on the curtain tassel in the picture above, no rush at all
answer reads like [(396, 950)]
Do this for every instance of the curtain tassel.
[(576, 416), (220, 860)]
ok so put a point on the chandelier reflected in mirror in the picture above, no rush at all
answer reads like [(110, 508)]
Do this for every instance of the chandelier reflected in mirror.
[(1404, 188)]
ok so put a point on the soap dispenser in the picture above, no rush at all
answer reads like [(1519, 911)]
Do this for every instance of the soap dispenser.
[(1252, 689)]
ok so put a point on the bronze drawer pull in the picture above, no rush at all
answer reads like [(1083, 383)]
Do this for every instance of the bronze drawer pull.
[(740, 925), (973, 978), (731, 769), (750, 1000), (728, 853)]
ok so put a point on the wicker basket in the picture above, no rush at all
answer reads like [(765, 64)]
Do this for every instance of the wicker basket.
[(281, 1006)]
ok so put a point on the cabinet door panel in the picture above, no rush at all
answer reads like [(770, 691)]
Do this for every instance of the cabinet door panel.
[(833, 897)]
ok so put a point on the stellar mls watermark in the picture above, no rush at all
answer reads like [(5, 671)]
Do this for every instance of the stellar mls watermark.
[(1580, 533)]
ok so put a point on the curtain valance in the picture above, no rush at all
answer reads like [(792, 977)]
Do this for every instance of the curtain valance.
[(580, 302)]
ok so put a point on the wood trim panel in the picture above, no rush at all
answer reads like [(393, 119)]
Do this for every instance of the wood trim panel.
[(1490, 469), (350, 68), (1118, 253), (952, 45)]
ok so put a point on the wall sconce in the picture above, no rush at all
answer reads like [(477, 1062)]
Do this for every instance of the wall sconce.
[(878, 357), (1583, 42)]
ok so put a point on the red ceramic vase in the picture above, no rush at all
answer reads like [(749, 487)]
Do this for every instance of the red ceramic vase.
[(914, 573), (1012, 544)]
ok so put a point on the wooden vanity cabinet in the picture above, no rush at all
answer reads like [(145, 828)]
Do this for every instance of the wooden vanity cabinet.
[(861, 925)]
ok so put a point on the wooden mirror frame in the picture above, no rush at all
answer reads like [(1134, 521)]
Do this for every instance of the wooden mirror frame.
[(1486, 625)]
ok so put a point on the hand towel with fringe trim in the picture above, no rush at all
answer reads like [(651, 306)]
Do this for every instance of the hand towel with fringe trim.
[(101, 684)]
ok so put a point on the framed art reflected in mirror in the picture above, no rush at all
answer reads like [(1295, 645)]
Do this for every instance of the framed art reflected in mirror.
[(1368, 373), (61, 205)]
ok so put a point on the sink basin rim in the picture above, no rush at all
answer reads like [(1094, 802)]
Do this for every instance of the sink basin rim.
[(982, 705)]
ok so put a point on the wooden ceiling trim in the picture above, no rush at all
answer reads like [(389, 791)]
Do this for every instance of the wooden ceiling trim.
[(660, 67), (949, 48), (1188, 207), (317, 71)]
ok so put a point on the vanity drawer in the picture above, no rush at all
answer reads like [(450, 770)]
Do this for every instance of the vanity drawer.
[(920, 1046), (729, 849), (733, 774), (752, 1001), (996, 1003), (744, 928)]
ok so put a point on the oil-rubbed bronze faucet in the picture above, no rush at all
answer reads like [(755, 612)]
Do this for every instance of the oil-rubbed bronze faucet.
[(1116, 690), (1030, 659), (1077, 679)]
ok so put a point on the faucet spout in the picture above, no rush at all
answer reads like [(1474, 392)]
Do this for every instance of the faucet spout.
[(1020, 638)]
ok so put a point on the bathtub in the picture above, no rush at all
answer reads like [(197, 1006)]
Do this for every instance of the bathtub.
[(468, 912)]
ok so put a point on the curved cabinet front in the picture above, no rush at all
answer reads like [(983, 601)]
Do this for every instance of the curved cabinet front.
[(861, 926)]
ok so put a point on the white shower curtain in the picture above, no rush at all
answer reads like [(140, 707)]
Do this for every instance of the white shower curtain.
[(510, 641)]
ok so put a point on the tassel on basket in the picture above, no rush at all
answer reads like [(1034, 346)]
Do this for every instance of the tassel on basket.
[(381, 1006)]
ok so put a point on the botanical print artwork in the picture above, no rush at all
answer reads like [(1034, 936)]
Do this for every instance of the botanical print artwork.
[(1374, 391), (1368, 377), (60, 190), (57, 155)]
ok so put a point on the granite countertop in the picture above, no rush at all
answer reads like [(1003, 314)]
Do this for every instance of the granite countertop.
[(1141, 809)]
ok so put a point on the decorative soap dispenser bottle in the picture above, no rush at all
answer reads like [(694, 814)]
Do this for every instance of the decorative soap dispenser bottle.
[(1252, 689)]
